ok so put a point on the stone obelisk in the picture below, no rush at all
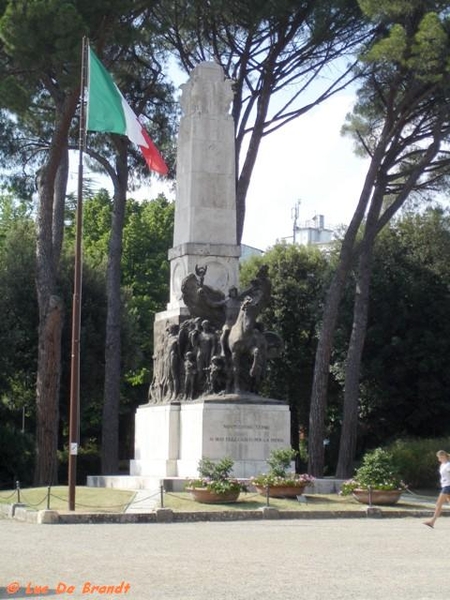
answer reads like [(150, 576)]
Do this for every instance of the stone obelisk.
[(173, 434), (205, 209)]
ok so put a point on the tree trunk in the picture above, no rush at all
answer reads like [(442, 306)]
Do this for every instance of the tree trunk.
[(243, 181), (318, 407), (349, 431), (52, 183), (111, 399), (50, 328), (47, 392), (321, 369), (347, 446)]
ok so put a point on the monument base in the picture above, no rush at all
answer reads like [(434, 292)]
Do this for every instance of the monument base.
[(171, 439)]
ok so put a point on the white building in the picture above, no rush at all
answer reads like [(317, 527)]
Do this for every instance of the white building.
[(312, 232)]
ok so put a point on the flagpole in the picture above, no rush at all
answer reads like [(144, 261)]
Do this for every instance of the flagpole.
[(74, 411)]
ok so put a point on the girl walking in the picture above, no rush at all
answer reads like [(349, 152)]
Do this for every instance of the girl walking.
[(444, 472)]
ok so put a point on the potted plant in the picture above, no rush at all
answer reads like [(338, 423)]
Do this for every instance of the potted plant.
[(280, 482), (377, 480), (215, 485)]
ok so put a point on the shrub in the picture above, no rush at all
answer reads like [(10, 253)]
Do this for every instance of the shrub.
[(279, 462), (216, 476), (378, 471), (16, 456), (416, 460)]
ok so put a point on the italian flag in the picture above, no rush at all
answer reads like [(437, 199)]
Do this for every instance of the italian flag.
[(108, 111)]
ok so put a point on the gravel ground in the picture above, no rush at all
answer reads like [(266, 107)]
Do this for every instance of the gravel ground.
[(362, 559)]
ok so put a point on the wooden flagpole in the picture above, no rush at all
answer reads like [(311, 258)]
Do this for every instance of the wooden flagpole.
[(74, 411)]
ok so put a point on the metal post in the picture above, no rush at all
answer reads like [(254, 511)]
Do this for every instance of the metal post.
[(161, 491), (76, 303), (18, 491), (48, 498)]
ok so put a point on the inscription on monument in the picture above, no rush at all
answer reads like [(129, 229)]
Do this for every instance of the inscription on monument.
[(246, 433)]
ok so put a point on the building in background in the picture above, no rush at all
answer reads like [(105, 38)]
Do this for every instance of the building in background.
[(248, 251), (313, 232)]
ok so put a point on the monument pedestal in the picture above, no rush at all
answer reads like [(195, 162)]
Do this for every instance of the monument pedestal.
[(170, 439)]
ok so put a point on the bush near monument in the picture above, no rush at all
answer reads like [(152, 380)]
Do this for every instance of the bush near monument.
[(216, 477), (279, 475), (377, 472)]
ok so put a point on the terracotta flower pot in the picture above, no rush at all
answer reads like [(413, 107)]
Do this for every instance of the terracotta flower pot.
[(281, 491), (210, 497), (377, 497)]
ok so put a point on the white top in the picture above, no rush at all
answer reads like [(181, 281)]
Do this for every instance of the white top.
[(444, 471)]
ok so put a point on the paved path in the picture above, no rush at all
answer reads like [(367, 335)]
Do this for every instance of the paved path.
[(144, 501), (324, 559)]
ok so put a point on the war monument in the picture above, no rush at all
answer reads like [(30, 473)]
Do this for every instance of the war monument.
[(210, 350)]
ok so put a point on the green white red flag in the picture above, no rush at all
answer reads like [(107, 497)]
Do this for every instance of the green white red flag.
[(109, 112)]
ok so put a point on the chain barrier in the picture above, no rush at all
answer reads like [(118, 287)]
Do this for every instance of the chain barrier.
[(144, 499), (80, 505), (123, 507), (33, 504), (419, 496), (8, 497)]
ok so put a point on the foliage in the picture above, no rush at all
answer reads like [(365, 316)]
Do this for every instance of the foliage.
[(279, 461), (378, 471), (216, 476), (40, 55), (88, 462), (416, 460), (145, 274), (400, 121), (16, 456), (147, 237), (18, 307), (40, 68), (404, 377), (272, 52), (298, 275)]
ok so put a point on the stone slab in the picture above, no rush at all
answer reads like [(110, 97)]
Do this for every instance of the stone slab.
[(123, 482), (327, 485), (170, 439)]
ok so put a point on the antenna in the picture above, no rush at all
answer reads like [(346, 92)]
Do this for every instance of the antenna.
[(294, 216)]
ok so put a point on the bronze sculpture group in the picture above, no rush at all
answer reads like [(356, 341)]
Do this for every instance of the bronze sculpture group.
[(220, 349)]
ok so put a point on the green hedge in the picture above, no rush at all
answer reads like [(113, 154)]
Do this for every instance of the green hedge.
[(417, 462)]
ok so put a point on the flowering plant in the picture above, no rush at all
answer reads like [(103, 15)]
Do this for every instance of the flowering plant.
[(278, 475), (215, 477), (290, 479), (377, 472)]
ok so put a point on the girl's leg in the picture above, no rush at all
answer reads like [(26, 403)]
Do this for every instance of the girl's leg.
[(442, 498)]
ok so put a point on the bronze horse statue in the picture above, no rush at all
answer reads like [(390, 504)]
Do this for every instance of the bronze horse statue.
[(221, 348), (246, 342)]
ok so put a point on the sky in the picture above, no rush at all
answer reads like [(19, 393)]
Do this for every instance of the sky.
[(310, 162), (307, 162)]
